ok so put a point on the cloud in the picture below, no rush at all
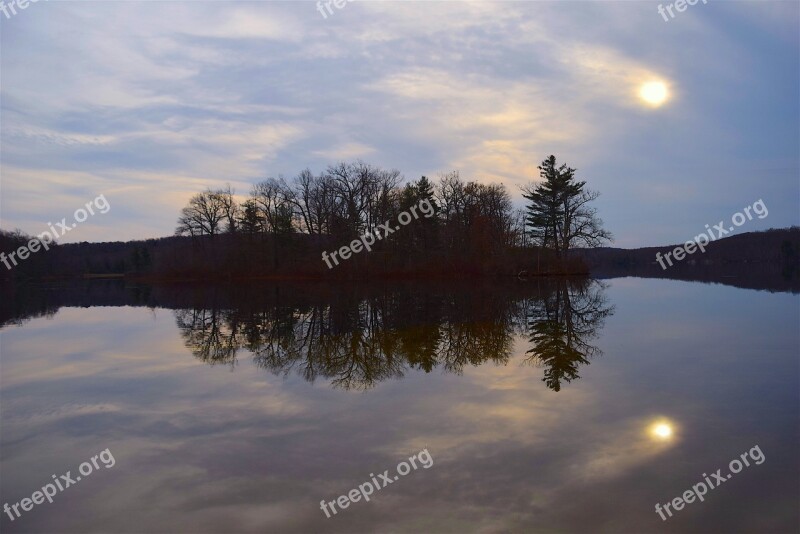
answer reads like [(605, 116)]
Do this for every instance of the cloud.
[(203, 92), (346, 151)]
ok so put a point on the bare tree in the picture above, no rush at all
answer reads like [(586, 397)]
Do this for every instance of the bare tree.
[(273, 198), (582, 226), (381, 195), (303, 197), (203, 215), (350, 182), (229, 207)]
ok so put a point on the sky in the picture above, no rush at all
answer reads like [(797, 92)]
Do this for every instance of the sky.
[(147, 103)]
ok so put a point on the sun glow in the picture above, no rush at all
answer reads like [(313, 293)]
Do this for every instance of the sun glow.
[(654, 93), (661, 430)]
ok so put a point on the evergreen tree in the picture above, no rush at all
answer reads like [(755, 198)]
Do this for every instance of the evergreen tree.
[(250, 222), (425, 190), (558, 213)]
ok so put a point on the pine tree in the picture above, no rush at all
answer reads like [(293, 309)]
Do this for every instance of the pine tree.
[(558, 213), (250, 222), (425, 190)]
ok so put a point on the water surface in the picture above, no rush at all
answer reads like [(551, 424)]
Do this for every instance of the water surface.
[(239, 409)]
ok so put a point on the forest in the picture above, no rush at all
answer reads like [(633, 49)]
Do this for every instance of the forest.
[(281, 228)]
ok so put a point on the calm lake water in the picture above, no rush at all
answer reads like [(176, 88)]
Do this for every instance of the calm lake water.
[(545, 406)]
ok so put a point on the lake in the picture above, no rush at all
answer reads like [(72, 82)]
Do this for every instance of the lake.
[(530, 406)]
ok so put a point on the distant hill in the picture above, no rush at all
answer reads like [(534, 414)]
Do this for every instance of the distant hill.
[(758, 260)]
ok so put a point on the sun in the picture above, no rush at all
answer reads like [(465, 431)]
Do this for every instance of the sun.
[(662, 430), (654, 93)]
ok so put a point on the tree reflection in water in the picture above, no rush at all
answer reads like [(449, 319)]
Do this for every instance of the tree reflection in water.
[(561, 326), (358, 338)]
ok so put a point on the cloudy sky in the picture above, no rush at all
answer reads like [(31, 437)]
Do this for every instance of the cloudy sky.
[(150, 102)]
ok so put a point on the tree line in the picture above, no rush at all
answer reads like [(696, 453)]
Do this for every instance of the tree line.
[(281, 227), (351, 199)]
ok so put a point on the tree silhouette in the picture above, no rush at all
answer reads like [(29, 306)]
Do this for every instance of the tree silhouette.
[(559, 214), (561, 326)]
